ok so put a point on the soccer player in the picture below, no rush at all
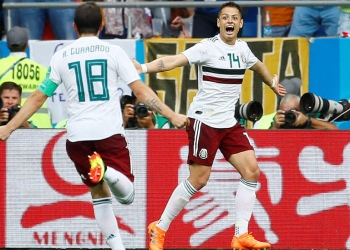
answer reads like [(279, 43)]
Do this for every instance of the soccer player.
[(222, 61), (89, 68)]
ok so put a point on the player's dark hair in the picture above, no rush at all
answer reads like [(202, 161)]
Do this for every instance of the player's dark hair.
[(232, 5), (88, 18), (10, 86)]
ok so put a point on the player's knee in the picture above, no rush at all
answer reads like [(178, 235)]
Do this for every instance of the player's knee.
[(127, 199), (199, 183), (251, 173)]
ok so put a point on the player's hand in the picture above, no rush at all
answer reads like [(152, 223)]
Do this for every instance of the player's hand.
[(180, 121), (278, 89), (137, 66), (5, 133)]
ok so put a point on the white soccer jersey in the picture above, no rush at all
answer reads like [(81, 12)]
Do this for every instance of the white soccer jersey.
[(221, 69), (89, 69)]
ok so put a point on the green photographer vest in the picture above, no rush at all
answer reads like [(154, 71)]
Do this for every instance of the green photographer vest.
[(29, 75), (266, 121)]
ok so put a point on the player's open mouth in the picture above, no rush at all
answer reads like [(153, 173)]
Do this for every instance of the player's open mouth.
[(230, 29)]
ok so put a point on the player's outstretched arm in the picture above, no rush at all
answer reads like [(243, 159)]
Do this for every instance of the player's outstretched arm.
[(32, 104), (146, 95), (162, 64), (270, 81)]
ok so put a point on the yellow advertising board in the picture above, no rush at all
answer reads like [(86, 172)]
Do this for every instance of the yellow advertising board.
[(286, 57)]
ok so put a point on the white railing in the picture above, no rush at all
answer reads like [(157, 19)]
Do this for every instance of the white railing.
[(153, 4)]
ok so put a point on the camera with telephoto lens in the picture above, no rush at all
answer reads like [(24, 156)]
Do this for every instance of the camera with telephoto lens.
[(329, 110), (251, 111), (141, 110)]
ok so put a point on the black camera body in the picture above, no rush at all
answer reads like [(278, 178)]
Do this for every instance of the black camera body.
[(141, 110), (289, 118), (12, 112)]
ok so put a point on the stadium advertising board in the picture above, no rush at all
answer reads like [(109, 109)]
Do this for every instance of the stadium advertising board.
[(302, 197)]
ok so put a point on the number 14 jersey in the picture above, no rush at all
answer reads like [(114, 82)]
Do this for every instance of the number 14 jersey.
[(221, 69)]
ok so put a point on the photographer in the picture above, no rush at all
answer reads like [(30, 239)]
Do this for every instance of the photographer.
[(10, 99), (138, 115), (28, 74), (289, 116)]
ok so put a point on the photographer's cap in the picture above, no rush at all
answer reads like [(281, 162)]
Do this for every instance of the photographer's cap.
[(292, 85), (17, 36)]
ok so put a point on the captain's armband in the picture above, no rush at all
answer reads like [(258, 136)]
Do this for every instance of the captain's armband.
[(48, 87)]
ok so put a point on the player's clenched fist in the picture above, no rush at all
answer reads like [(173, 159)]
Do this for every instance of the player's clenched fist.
[(180, 121)]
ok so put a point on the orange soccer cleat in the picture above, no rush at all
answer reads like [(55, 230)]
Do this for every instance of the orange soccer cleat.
[(247, 242), (97, 169), (156, 235)]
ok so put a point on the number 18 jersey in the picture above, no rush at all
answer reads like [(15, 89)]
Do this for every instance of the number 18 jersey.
[(89, 69)]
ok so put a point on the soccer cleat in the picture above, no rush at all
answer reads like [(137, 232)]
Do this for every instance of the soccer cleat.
[(247, 242), (156, 235), (97, 168)]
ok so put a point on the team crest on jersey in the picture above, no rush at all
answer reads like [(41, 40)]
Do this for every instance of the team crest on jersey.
[(203, 154), (244, 59)]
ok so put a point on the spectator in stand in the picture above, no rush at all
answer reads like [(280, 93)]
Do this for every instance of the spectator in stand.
[(24, 71), (205, 22), (281, 20), (172, 18), (311, 21), (116, 22), (291, 103), (34, 19), (10, 99), (344, 21)]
